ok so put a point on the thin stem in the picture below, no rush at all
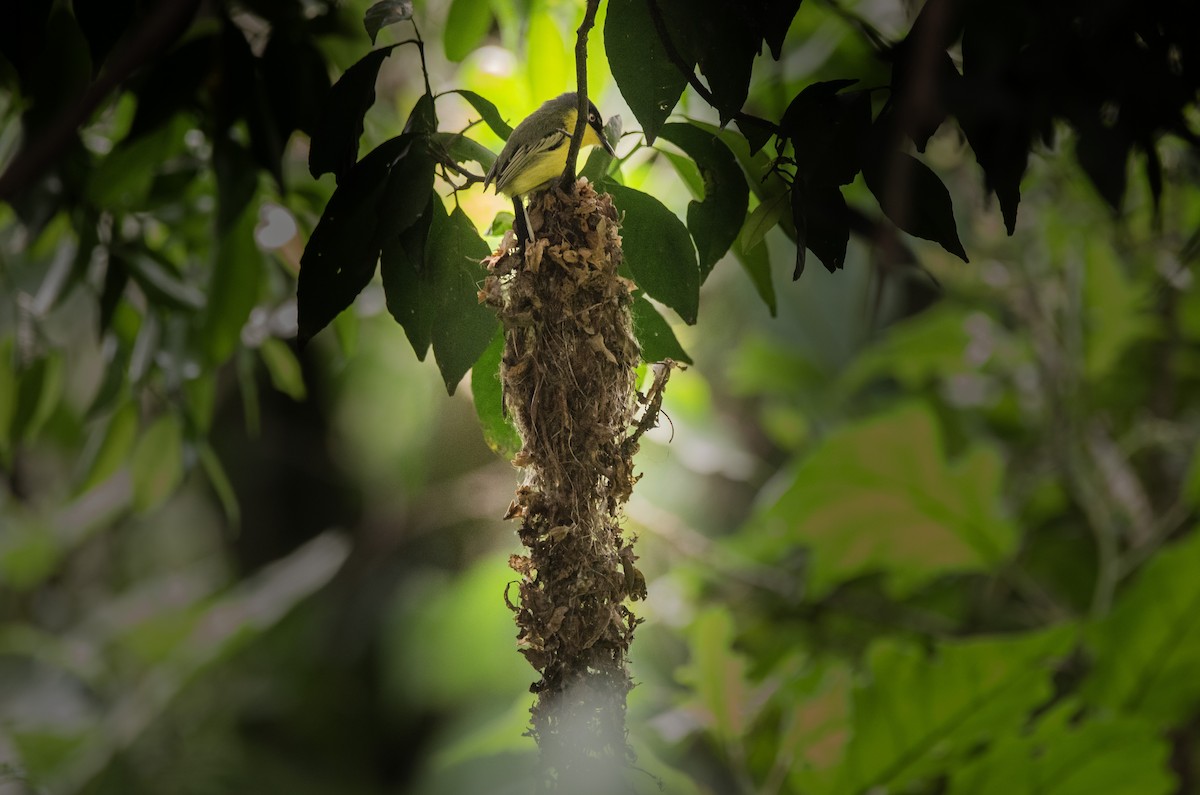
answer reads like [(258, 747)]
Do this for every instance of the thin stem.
[(581, 119), (421, 49)]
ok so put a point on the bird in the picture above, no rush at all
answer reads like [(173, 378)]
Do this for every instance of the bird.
[(536, 153)]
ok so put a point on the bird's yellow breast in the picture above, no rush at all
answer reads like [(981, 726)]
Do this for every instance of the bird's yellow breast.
[(547, 166)]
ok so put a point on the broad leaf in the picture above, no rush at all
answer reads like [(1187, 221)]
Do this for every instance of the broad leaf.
[(488, 112), (379, 198), (654, 334), (1066, 756), (916, 715), (462, 327), (756, 261), (648, 80), (822, 224), (763, 218), (488, 395), (1146, 651), (880, 496), (334, 145), (658, 250), (913, 197), (714, 222), (718, 677), (467, 24), (401, 264)]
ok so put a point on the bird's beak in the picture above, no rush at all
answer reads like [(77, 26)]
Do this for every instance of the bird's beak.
[(599, 128)]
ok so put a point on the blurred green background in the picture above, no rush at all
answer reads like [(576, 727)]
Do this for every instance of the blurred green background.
[(923, 529)]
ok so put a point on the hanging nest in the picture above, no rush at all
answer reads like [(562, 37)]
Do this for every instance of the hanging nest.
[(568, 374)]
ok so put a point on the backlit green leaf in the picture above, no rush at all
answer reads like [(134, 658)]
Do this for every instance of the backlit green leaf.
[(157, 463), (714, 222), (880, 496), (467, 23), (658, 250)]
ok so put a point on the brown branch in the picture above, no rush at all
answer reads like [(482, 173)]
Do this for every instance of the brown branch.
[(589, 20), (162, 26)]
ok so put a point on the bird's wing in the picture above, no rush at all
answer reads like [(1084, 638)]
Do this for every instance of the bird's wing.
[(505, 170)]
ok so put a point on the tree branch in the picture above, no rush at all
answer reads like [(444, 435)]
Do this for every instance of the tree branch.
[(589, 20)]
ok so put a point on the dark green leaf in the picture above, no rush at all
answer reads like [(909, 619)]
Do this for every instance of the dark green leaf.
[(822, 224), (714, 222), (756, 261), (242, 94), (462, 327), (654, 334), (658, 250), (488, 112), (39, 389), (112, 451), (122, 180), (1146, 650), (234, 287), (598, 165), (913, 197), (488, 394), (116, 276), (340, 257), (827, 130), (763, 218), (408, 296), (423, 119), (648, 80), (61, 73), (462, 149), (334, 146), (467, 24), (384, 13)]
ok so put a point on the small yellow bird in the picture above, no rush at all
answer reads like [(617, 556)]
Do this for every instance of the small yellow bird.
[(536, 153)]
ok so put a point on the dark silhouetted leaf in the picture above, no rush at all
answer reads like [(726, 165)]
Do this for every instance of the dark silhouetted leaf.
[(822, 224), (488, 112), (296, 79), (488, 395), (423, 120), (758, 131), (775, 17), (243, 95), (381, 196), (725, 41), (827, 130), (648, 80), (384, 13), (913, 197), (714, 222), (658, 250), (462, 327), (61, 72), (1103, 152), (401, 264), (654, 334), (334, 147), (922, 82), (467, 24)]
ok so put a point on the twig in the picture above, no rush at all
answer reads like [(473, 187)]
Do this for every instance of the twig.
[(581, 119)]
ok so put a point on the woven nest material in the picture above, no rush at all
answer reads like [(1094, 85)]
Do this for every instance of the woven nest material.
[(568, 373)]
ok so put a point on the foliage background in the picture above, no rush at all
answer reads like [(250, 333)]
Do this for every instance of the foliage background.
[(927, 529)]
